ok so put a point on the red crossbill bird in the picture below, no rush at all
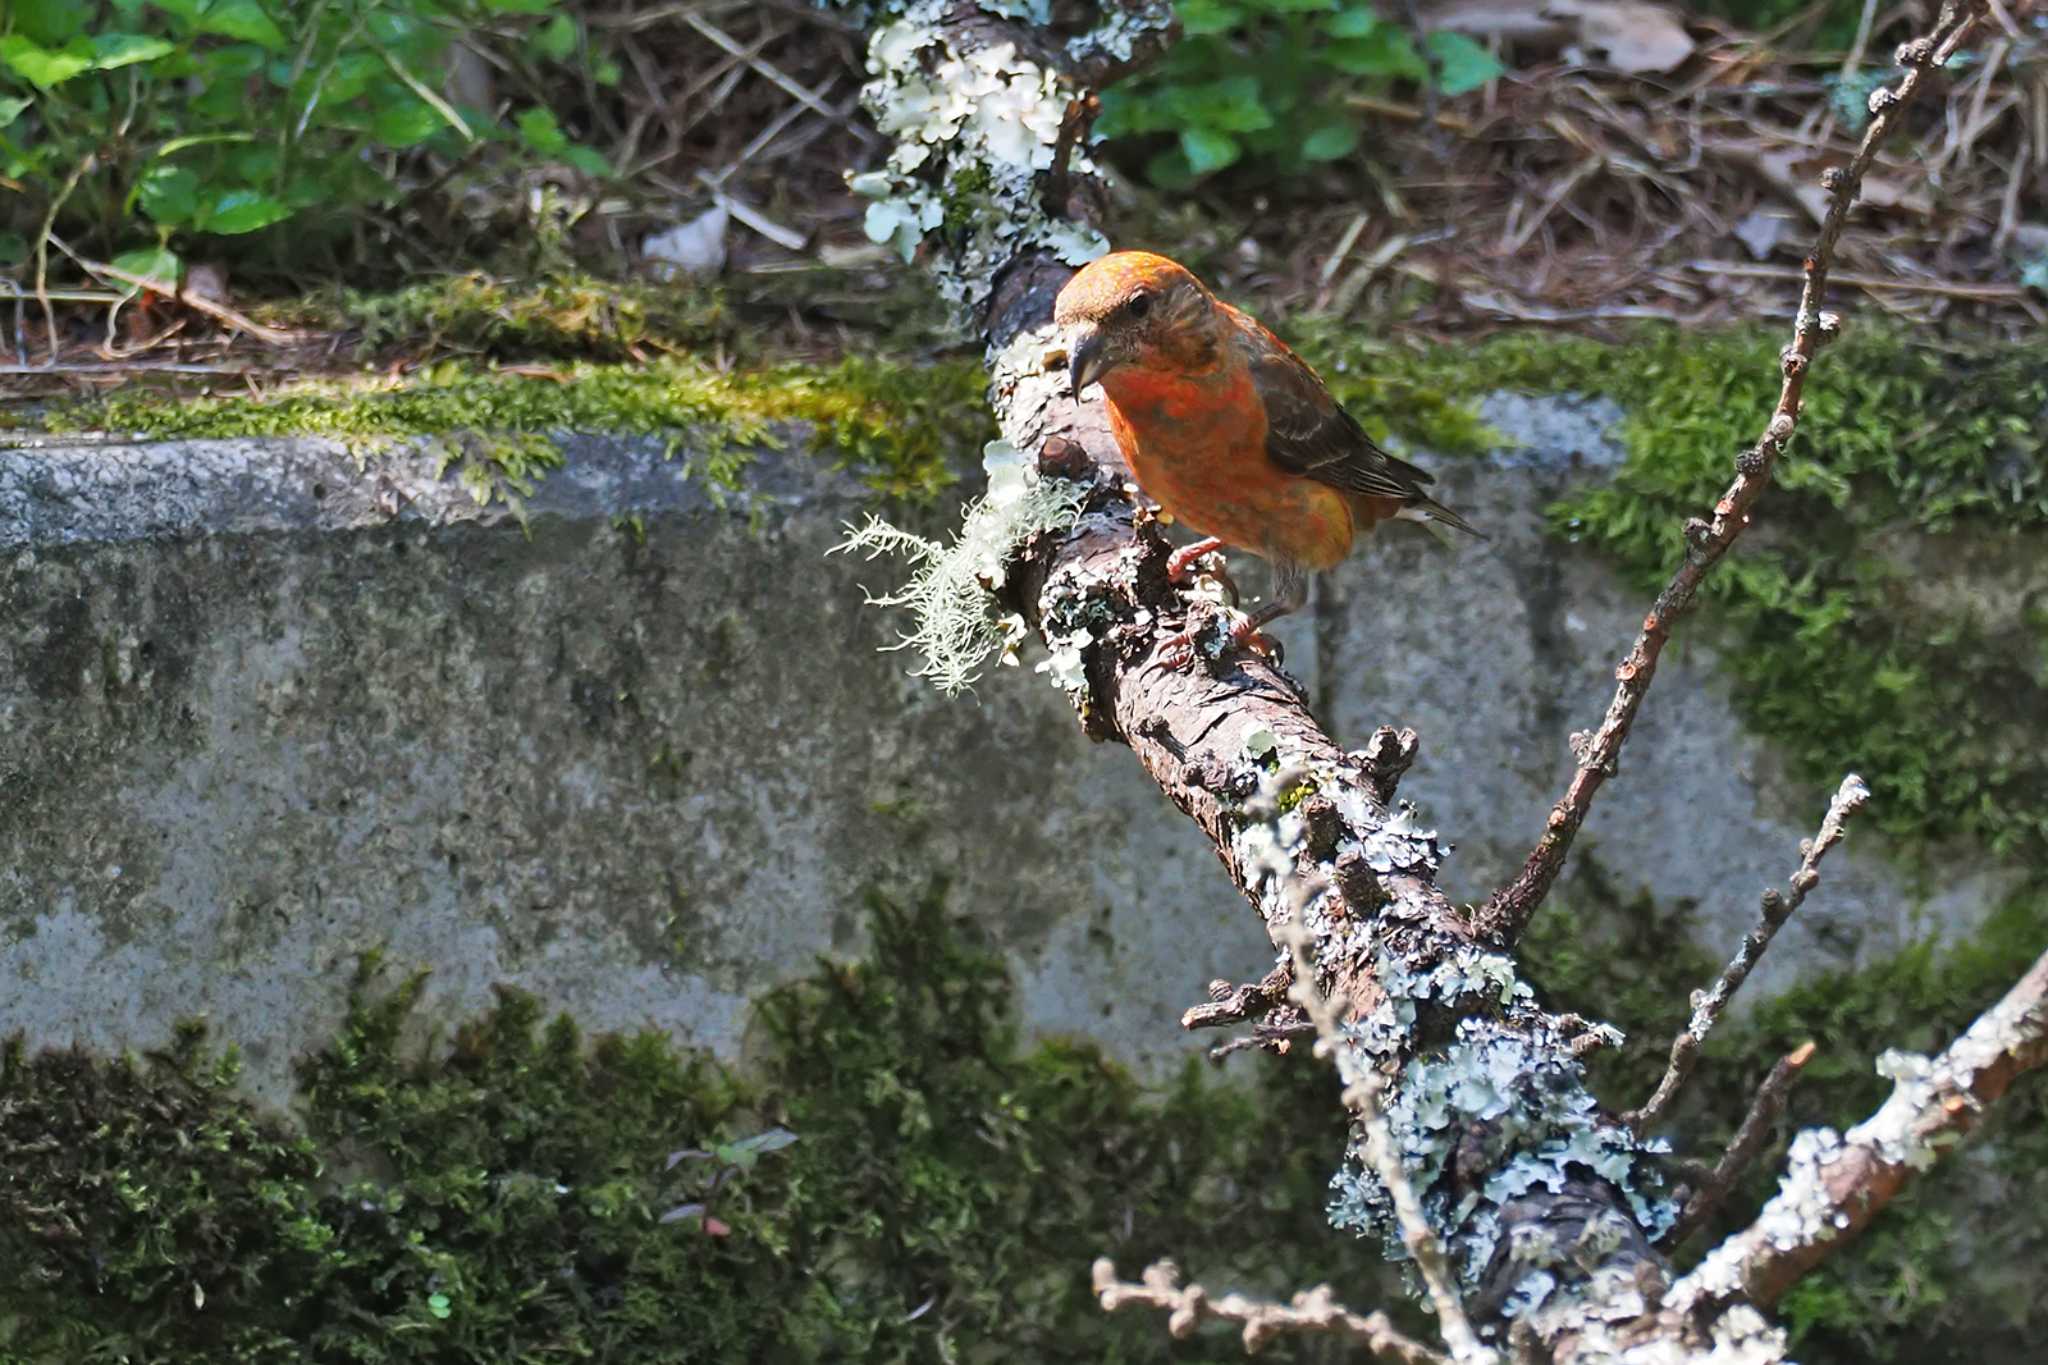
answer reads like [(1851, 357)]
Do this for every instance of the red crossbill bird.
[(1227, 429)]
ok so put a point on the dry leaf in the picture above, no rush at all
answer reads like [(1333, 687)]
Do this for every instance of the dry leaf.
[(1637, 37)]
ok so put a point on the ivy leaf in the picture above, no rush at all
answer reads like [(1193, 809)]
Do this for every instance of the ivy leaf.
[(1464, 65), (111, 50), (243, 19), (1385, 51), (1354, 21), (1200, 17), (11, 107), (41, 66), (231, 212), (539, 130), (1231, 105), (1329, 142), (554, 40), (405, 124), (1208, 150), (168, 194), (159, 265)]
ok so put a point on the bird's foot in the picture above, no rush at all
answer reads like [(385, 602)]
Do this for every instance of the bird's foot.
[(1181, 561), (1247, 634), (1179, 650)]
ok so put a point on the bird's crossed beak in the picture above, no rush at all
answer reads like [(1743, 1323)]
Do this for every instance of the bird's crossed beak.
[(1087, 360)]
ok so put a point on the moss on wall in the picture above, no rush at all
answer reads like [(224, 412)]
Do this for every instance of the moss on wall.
[(521, 1194)]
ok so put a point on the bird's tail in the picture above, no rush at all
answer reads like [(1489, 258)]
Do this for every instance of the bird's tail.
[(1438, 520)]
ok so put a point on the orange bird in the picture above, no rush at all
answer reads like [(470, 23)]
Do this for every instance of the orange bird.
[(1228, 429)]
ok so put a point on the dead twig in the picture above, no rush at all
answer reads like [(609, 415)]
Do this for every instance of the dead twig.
[(1749, 1140), (1314, 1310), (1707, 539), (1708, 1006)]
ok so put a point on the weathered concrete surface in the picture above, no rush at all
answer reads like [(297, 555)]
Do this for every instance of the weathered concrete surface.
[(252, 725)]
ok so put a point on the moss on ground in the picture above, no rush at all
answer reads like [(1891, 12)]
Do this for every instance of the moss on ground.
[(907, 429), (524, 1195)]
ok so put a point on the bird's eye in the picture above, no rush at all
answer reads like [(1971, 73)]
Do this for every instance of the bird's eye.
[(1140, 305)]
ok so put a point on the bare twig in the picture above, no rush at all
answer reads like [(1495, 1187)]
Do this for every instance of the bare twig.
[(1361, 1097), (1230, 1004), (1837, 1183), (1957, 289), (1315, 1310), (1749, 1140), (1708, 1006), (1708, 539)]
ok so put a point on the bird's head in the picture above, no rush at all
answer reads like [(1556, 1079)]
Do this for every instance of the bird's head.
[(1135, 309)]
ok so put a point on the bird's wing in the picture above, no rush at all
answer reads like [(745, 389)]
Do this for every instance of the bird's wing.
[(1309, 433)]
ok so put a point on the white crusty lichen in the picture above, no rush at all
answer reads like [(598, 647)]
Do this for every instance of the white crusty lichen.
[(1507, 1091), (950, 592), (975, 136)]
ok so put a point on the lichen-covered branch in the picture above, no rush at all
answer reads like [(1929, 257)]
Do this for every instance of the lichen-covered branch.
[(1749, 1140), (1313, 1310), (1707, 539), (1709, 1005), (1835, 1183), (1539, 1211)]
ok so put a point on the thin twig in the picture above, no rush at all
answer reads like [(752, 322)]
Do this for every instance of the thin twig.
[(1230, 1004), (1837, 1183), (1950, 288), (1708, 1006), (1314, 1310), (1361, 1097), (1749, 1140), (1508, 911), (219, 312)]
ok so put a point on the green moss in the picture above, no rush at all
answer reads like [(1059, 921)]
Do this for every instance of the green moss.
[(907, 428), (503, 1198), (1946, 1273), (1833, 613)]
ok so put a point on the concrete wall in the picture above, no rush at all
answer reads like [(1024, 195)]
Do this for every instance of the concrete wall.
[(252, 725)]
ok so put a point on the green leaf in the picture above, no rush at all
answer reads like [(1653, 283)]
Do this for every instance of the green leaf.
[(45, 67), (405, 124), (1384, 52), (554, 40), (1330, 141), (588, 160), (519, 6), (1198, 17), (438, 1305), (111, 50), (537, 127), (11, 107), (1208, 150), (1231, 105), (1356, 21), (51, 23), (159, 265), (229, 212), (13, 249), (243, 19), (168, 194), (1463, 64)]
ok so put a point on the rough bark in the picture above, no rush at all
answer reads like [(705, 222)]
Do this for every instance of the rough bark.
[(1550, 1208)]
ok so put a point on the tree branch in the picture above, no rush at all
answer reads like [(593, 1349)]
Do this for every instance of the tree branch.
[(1544, 1207), (1508, 912), (1748, 1142), (1315, 1310), (1708, 1007), (1837, 1183)]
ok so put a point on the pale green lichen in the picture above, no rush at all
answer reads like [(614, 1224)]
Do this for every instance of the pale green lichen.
[(975, 134), (950, 592)]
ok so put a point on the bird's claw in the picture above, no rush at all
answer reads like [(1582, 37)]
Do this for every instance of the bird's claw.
[(1178, 650)]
